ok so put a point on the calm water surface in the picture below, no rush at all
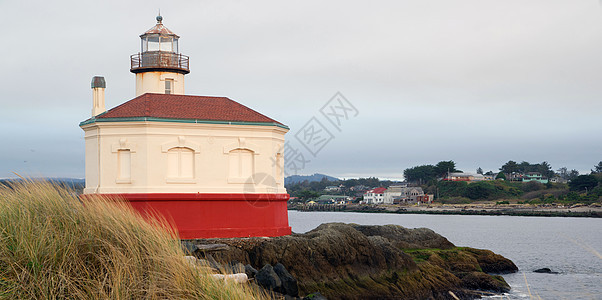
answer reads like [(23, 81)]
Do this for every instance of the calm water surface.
[(570, 246)]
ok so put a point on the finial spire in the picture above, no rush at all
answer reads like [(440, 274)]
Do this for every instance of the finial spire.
[(159, 18)]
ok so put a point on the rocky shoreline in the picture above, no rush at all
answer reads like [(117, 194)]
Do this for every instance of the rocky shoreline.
[(350, 261), (472, 209)]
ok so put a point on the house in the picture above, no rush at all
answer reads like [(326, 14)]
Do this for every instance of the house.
[(332, 188), (375, 196), (489, 176), (400, 195), (534, 176), (212, 166), (558, 179), (333, 199), (464, 177), (427, 198)]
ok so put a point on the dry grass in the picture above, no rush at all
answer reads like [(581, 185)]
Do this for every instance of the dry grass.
[(54, 247)]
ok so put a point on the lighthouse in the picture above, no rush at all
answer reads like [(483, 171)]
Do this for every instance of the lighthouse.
[(210, 166)]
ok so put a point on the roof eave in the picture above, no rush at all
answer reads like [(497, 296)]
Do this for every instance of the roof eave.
[(195, 121)]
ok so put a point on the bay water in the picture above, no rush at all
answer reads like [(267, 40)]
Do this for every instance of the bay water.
[(570, 246)]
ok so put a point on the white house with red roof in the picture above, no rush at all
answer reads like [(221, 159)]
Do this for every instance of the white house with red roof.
[(211, 166), (375, 196)]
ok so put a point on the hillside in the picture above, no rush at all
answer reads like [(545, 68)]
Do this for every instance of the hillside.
[(310, 178)]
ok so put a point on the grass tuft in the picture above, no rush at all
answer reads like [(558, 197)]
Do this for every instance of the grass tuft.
[(54, 246)]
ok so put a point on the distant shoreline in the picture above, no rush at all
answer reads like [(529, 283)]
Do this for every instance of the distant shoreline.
[(484, 210)]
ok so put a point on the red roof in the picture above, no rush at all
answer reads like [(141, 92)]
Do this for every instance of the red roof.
[(379, 190), (169, 106)]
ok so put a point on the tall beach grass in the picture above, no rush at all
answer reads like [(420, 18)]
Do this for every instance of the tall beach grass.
[(53, 246)]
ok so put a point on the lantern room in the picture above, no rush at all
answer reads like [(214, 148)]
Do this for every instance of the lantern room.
[(159, 67), (159, 40)]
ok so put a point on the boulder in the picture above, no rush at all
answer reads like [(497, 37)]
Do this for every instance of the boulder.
[(289, 283), (545, 270), (482, 281), (250, 271), (267, 278)]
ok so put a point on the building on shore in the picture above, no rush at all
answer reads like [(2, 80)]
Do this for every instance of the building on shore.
[(209, 165), (375, 196), (468, 177)]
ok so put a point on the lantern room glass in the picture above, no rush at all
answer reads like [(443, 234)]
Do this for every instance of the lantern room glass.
[(157, 42)]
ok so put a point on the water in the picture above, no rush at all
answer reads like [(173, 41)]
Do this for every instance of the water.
[(570, 246)]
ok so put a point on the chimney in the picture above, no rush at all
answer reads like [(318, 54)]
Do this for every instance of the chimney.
[(98, 95)]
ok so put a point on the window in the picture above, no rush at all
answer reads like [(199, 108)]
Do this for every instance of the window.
[(180, 163), (168, 86), (124, 161), (241, 164)]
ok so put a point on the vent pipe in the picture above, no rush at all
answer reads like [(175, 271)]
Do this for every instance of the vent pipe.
[(98, 95)]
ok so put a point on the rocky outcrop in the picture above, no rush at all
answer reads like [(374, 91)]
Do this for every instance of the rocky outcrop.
[(545, 271), (349, 261)]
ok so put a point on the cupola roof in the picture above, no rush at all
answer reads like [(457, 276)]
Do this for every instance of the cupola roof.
[(159, 28)]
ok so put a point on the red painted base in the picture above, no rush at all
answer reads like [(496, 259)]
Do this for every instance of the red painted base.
[(198, 215)]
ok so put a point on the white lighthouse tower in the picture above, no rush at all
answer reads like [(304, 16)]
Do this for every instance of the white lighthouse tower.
[(159, 67)]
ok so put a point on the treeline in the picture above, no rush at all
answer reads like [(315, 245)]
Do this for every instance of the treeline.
[(586, 189), (423, 174), (307, 190)]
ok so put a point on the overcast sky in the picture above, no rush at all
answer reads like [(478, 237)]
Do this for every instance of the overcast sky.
[(479, 82)]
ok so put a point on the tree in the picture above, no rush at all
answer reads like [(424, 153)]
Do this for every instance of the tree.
[(421, 174), (597, 168), (563, 173), (544, 169), (510, 167), (442, 167), (489, 172), (583, 183), (480, 171), (572, 174), (524, 167), (349, 183), (306, 194), (501, 175)]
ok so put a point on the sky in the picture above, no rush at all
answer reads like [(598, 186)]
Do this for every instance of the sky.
[(479, 82)]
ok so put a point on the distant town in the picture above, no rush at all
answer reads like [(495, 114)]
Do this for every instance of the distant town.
[(513, 184)]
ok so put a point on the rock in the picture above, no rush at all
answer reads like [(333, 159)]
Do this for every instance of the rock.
[(314, 296), (350, 261), (545, 270), (236, 278), (493, 263), (212, 247), (419, 238), (214, 264), (289, 283), (193, 261), (250, 271), (267, 278), (482, 281)]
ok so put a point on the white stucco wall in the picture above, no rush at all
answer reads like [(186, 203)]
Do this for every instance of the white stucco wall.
[(154, 82), (212, 148)]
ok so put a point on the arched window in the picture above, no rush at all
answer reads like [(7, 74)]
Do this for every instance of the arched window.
[(180, 163), (241, 164), (123, 151)]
